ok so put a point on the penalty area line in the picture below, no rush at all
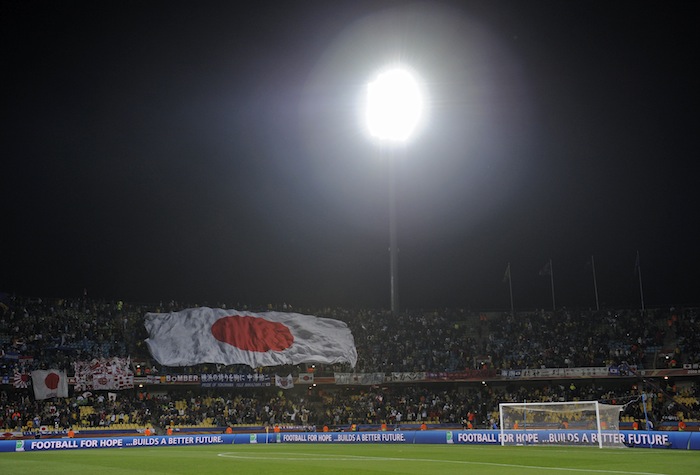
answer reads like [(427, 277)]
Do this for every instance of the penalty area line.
[(291, 456), (303, 457)]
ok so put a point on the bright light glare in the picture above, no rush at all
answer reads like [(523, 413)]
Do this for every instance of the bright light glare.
[(394, 105)]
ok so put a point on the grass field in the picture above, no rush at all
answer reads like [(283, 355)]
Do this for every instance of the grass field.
[(354, 459)]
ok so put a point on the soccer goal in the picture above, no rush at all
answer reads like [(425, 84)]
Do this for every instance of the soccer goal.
[(561, 423)]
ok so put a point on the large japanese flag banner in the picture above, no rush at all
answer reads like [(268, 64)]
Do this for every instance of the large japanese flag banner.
[(49, 383), (206, 335)]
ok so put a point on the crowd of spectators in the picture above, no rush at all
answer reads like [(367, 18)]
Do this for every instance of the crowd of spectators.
[(576, 339), (41, 334), (454, 340), (22, 411), (472, 406), (53, 333)]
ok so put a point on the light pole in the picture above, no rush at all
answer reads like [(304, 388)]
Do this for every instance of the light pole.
[(393, 111)]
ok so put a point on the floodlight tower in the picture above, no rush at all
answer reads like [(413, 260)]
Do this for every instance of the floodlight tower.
[(393, 112)]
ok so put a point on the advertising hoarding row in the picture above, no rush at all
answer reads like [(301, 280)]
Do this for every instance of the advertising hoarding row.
[(639, 439)]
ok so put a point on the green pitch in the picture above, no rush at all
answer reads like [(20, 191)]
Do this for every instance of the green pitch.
[(334, 459)]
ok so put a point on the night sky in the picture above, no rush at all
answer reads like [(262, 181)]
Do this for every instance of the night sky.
[(210, 152)]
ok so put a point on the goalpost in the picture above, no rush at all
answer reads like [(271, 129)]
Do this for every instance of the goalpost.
[(560, 423)]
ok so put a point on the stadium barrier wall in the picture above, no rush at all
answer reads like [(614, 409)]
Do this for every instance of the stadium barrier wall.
[(643, 439)]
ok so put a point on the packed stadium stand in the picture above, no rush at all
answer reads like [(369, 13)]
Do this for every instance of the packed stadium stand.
[(441, 368)]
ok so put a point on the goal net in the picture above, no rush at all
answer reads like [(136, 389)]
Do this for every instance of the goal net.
[(561, 423)]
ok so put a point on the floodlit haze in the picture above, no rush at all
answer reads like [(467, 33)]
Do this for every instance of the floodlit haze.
[(212, 153)]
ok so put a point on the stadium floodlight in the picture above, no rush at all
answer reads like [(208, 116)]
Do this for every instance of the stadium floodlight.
[(561, 423), (393, 111), (394, 105)]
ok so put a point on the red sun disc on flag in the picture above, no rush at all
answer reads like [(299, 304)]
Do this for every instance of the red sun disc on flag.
[(252, 333), (51, 380)]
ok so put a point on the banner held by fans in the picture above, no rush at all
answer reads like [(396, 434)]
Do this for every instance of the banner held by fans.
[(286, 382), (206, 335), (104, 374), (49, 383), (306, 378), (20, 380)]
